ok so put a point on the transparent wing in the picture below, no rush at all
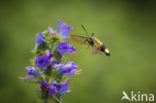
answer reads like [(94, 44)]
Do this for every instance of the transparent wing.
[(95, 50), (79, 39)]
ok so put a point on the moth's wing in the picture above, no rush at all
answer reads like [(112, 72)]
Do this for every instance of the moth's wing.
[(79, 39), (95, 50)]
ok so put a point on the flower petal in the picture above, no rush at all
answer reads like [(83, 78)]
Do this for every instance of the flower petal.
[(40, 39), (59, 24), (62, 87), (32, 73), (51, 31), (42, 62), (68, 69), (63, 47), (64, 31)]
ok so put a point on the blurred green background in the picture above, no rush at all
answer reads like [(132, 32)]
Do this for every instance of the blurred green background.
[(127, 28)]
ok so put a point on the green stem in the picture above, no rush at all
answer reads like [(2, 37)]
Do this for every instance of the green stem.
[(46, 98), (56, 99)]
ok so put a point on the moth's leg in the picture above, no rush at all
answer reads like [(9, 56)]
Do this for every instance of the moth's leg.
[(88, 46)]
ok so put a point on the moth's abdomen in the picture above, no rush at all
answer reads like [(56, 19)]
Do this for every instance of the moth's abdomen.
[(105, 50)]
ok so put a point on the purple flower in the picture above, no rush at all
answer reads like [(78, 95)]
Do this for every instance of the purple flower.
[(68, 69), (44, 85), (61, 87), (64, 31), (63, 47), (55, 87), (52, 90), (40, 39), (55, 31), (44, 61), (32, 73)]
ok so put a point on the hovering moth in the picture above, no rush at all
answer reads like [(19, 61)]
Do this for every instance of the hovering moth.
[(96, 44)]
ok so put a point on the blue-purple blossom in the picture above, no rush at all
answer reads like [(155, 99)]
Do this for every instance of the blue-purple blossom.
[(44, 61), (68, 69), (61, 87), (52, 31), (52, 90), (55, 87), (40, 39), (64, 31), (63, 47), (32, 73)]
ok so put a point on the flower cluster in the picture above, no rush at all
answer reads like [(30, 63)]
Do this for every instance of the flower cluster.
[(49, 69), (55, 87)]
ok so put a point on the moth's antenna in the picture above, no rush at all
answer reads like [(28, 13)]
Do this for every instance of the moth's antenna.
[(84, 29)]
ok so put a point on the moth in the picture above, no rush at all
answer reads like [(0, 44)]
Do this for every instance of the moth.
[(95, 43)]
